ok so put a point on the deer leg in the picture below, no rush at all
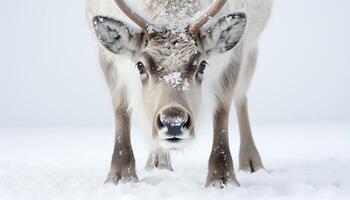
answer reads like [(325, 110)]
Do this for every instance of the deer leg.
[(160, 159), (221, 171), (123, 161), (249, 158)]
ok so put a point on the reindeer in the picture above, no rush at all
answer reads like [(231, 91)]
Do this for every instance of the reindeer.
[(164, 70)]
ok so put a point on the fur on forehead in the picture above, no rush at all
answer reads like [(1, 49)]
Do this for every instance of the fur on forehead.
[(172, 51)]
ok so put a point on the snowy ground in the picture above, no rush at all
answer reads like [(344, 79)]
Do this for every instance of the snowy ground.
[(303, 162)]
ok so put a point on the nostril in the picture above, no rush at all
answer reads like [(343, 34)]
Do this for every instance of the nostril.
[(187, 123), (160, 123)]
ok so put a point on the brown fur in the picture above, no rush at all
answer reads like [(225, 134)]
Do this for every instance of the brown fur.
[(123, 161)]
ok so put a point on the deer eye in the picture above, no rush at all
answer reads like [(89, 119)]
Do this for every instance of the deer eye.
[(202, 67), (141, 67)]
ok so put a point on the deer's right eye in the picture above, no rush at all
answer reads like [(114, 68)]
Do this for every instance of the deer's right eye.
[(141, 67)]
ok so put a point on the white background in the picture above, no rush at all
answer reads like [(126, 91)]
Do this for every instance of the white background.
[(50, 77), (49, 74)]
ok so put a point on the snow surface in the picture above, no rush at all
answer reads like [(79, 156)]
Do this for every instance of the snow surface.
[(309, 161)]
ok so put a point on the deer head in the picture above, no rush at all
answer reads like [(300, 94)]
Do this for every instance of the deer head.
[(171, 65)]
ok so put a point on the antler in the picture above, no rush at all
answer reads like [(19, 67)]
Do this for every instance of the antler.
[(135, 18), (194, 28)]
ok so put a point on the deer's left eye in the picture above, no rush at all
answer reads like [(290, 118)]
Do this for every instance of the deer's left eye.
[(141, 67), (202, 66)]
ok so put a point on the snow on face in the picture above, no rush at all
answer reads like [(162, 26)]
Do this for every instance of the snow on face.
[(175, 80), (173, 121)]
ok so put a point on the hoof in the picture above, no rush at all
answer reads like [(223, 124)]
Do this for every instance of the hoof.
[(221, 178), (250, 161), (117, 178), (221, 183), (250, 166), (159, 159)]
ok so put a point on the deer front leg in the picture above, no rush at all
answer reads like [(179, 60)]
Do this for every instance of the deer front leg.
[(249, 158), (220, 170), (159, 159), (123, 161)]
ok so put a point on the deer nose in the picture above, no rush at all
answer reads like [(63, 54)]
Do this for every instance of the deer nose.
[(174, 119)]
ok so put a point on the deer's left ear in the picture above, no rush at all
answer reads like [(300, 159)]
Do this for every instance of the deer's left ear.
[(225, 34)]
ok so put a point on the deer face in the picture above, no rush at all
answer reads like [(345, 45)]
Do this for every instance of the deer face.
[(171, 71), (171, 67)]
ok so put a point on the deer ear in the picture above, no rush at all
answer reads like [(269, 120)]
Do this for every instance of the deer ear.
[(224, 34), (115, 35)]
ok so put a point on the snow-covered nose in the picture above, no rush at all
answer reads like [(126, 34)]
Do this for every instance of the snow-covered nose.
[(174, 119)]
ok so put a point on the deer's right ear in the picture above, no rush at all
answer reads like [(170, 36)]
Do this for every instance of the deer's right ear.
[(115, 35)]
